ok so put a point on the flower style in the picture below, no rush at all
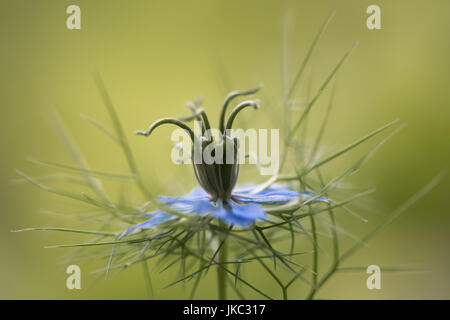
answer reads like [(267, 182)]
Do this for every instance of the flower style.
[(218, 197)]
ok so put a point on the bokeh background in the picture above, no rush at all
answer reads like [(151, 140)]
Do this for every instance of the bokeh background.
[(155, 55)]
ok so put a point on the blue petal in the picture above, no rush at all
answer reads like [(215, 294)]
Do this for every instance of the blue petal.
[(198, 201), (275, 195), (197, 192), (308, 195), (234, 213), (203, 206), (199, 205), (248, 188), (196, 204), (178, 204), (158, 217), (186, 204), (268, 197), (251, 211)]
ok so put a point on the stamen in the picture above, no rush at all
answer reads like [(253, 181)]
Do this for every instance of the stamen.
[(206, 125), (173, 121), (195, 115), (238, 108), (205, 122), (227, 101)]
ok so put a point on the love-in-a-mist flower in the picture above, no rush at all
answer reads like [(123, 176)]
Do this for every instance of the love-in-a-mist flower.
[(218, 195)]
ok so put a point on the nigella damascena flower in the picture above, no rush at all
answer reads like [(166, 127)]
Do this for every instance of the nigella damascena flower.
[(218, 196)]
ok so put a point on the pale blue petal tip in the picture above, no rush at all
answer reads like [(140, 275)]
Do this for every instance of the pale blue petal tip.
[(157, 218)]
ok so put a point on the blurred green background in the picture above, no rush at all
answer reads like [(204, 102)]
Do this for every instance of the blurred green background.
[(155, 55)]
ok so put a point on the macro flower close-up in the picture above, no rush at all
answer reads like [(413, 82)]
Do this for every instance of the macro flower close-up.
[(218, 196), (224, 150)]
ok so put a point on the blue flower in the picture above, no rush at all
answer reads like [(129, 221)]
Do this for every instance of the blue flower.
[(218, 196), (242, 209)]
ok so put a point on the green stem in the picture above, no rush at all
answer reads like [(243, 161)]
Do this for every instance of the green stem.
[(221, 275), (315, 258), (334, 236), (285, 293), (334, 267), (148, 280)]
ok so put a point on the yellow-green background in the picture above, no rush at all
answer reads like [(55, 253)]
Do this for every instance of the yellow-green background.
[(155, 55)]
